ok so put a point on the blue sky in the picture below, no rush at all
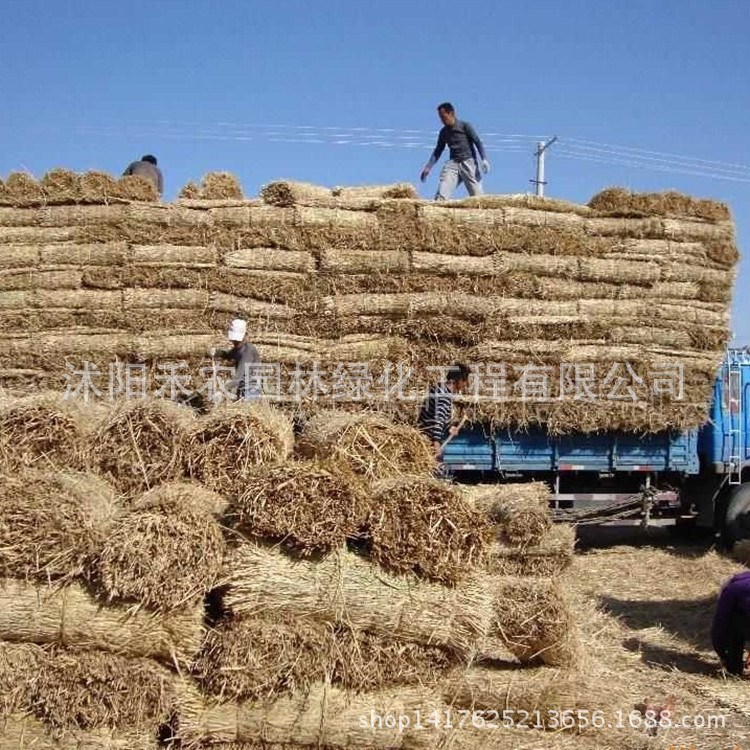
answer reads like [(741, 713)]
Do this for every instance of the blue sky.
[(649, 95)]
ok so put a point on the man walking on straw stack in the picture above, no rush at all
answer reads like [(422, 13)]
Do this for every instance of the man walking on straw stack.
[(463, 166), (246, 358), (436, 414)]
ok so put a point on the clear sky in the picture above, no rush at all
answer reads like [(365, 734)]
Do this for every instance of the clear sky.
[(650, 95)]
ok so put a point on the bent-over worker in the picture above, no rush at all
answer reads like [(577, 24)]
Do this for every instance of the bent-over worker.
[(245, 356), (731, 625), (463, 166), (436, 414), (146, 167)]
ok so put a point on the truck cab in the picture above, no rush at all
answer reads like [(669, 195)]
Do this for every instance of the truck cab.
[(701, 475)]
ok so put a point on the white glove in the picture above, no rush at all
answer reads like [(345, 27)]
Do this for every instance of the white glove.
[(485, 166)]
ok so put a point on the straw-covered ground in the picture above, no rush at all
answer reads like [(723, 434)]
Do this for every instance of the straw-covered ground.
[(645, 616)]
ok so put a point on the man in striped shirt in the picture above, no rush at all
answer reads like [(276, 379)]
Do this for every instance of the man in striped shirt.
[(436, 414)]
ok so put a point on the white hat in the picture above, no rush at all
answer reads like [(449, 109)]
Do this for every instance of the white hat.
[(237, 330)]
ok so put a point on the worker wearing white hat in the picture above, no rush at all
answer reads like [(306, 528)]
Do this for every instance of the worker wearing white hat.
[(245, 356)]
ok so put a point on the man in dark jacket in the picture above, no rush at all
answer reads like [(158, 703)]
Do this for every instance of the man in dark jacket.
[(436, 414), (147, 168), (245, 358), (463, 166), (731, 626)]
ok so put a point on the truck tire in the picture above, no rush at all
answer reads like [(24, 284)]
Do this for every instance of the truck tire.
[(736, 525)]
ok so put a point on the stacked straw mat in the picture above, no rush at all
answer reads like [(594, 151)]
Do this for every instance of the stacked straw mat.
[(631, 287)]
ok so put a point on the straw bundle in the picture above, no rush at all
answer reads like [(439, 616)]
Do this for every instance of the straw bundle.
[(322, 716), (288, 193), (309, 507), (620, 202), (44, 431), (97, 187), (520, 511), (263, 657), (52, 525), (550, 557), (21, 189), (136, 188), (161, 558), (226, 445), (219, 186), (69, 616), (141, 444), (90, 689), (425, 526), (533, 620), (61, 186), (371, 444), (542, 689), (190, 191), (344, 589), (20, 732)]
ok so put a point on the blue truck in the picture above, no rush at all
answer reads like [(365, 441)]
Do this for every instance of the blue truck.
[(699, 477)]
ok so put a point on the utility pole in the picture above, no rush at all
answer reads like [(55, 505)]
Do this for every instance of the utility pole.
[(541, 147)]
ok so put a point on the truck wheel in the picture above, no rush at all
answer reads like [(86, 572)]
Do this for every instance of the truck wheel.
[(736, 524)]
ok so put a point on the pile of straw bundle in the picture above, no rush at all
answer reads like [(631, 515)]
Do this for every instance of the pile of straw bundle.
[(307, 506), (620, 202), (135, 188), (321, 716), (69, 616), (344, 589), (425, 526), (141, 444), (227, 444), (46, 431), (371, 444), (21, 189), (53, 525), (97, 187), (162, 557), (534, 621), (550, 557), (520, 511)]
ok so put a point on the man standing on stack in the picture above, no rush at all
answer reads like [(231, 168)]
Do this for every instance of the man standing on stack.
[(463, 166)]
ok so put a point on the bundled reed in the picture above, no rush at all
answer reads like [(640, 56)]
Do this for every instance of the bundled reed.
[(45, 431), (307, 506), (61, 186), (260, 658), (141, 444), (177, 497), (424, 525), (226, 445), (370, 443), (520, 511), (344, 589), (620, 202), (213, 186), (161, 557), (69, 616), (321, 716), (534, 621), (53, 525), (550, 557)]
